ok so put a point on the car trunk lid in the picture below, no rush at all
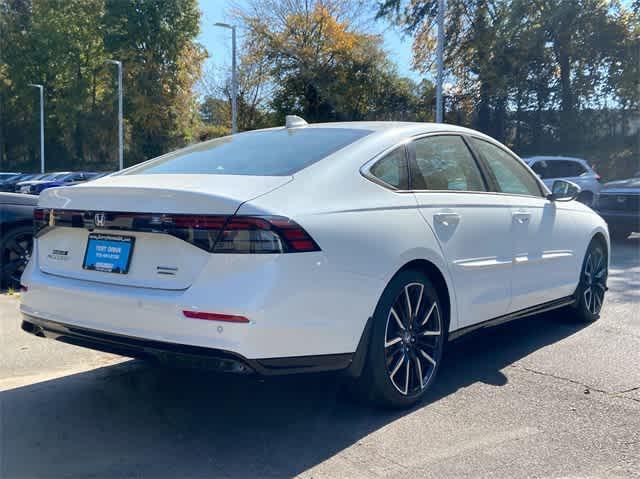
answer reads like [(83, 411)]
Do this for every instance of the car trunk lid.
[(137, 209)]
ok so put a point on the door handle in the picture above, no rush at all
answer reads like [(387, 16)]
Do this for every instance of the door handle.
[(521, 217), (446, 219)]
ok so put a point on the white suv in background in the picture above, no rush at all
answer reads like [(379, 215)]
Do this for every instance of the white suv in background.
[(577, 170)]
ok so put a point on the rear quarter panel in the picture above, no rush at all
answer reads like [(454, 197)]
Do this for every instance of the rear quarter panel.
[(365, 231)]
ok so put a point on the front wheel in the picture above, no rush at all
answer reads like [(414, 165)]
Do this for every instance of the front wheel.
[(593, 283), (408, 335)]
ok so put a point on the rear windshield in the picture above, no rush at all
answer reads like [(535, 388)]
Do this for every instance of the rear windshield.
[(259, 153)]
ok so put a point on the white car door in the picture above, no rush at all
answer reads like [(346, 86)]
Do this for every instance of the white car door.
[(472, 227), (544, 246)]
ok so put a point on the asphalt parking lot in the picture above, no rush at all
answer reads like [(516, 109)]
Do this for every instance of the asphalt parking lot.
[(542, 397)]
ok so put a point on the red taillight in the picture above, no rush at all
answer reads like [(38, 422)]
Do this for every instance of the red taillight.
[(212, 233), (228, 318), (40, 219), (198, 222), (39, 214), (269, 234)]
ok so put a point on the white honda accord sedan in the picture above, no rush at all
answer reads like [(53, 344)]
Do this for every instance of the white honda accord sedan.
[(361, 246)]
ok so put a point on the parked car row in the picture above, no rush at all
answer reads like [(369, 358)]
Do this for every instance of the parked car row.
[(34, 183)]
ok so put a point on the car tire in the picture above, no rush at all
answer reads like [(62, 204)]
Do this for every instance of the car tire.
[(591, 290), (408, 334), (15, 251)]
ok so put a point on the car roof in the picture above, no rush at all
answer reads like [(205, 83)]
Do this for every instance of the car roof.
[(392, 125)]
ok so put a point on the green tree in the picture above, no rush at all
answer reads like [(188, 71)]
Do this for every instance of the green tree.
[(322, 67), (156, 42), (63, 44)]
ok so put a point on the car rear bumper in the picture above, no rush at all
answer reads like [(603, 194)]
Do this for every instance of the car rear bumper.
[(297, 305), (172, 353)]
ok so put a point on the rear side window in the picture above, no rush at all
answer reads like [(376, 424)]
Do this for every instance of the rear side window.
[(444, 163), (558, 168), (512, 176), (573, 168), (278, 152), (392, 169)]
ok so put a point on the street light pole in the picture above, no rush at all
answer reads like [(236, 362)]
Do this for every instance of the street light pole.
[(120, 119), (41, 88), (440, 61), (234, 80)]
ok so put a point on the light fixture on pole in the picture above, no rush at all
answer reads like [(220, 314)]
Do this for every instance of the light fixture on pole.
[(120, 119), (234, 81), (41, 88), (440, 61)]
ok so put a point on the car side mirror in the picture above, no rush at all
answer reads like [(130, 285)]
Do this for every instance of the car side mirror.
[(563, 190)]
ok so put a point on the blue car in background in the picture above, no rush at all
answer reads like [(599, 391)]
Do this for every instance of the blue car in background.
[(51, 180)]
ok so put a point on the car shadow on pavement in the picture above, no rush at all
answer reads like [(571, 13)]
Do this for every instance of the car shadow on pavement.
[(137, 419)]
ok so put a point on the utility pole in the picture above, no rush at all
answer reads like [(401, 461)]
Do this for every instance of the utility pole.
[(234, 80), (440, 61), (120, 118), (41, 88)]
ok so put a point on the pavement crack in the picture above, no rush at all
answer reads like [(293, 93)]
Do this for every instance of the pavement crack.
[(578, 383), (629, 390)]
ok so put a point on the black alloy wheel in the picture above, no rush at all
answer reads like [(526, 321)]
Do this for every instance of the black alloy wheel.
[(593, 283), (15, 251), (413, 335), (408, 334)]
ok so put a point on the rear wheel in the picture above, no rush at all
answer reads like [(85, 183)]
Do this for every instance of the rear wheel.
[(593, 283), (15, 251), (407, 339)]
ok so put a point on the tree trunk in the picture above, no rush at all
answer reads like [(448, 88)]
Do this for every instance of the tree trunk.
[(566, 100), (484, 113), (499, 118)]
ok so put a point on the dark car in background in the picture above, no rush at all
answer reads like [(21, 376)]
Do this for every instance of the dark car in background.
[(619, 205), (7, 176), (16, 236), (66, 178), (8, 180), (9, 183)]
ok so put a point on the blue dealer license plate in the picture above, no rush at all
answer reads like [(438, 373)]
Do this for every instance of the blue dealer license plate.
[(108, 253)]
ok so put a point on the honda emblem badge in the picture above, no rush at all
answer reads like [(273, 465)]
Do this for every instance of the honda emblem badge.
[(99, 219)]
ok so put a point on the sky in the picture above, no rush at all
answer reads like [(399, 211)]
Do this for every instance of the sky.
[(217, 40)]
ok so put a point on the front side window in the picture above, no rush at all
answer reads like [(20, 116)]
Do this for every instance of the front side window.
[(392, 169), (279, 152), (444, 163), (512, 176)]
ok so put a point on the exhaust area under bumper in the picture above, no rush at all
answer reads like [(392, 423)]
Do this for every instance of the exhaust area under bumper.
[(182, 354)]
